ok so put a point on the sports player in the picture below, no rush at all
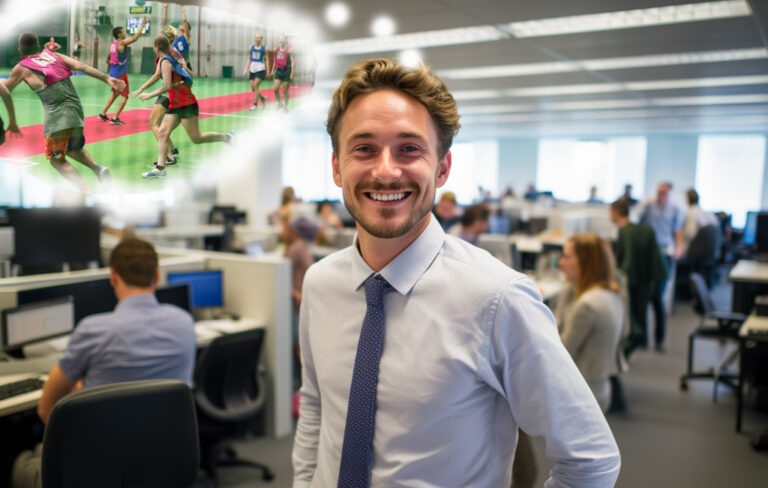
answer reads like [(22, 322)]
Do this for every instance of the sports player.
[(256, 66), (181, 42), (160, 107), (283, 71), (118, 68), (182, 107), (48, 75)]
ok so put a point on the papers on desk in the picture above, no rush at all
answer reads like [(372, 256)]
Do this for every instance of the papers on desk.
[(207, 330)]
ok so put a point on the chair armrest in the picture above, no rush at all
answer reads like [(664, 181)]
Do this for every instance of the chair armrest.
[(238, 409), (726, 316)]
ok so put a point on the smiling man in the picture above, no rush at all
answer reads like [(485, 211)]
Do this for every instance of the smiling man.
[(422, 354)]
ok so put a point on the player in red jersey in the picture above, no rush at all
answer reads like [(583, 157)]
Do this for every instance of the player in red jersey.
[(182, 107)]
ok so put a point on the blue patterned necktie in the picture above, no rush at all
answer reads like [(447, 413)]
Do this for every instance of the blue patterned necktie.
[(357, 450)]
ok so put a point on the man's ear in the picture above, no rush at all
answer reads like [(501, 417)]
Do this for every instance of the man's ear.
[(336, 169), (443, 169)]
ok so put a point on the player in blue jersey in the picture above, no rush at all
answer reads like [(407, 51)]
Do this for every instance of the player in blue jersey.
[(118, 68), (256, 68), (181, 43)]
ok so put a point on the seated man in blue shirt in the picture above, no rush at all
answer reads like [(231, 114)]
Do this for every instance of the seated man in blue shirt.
[(140, 340)]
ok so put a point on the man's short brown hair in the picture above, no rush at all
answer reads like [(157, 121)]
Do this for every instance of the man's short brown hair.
[(420, 83), (135, 262), (29, 43)]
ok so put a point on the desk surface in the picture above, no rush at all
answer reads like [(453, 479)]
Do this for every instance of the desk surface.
[(749, 271), (754, 324), (205, 332)]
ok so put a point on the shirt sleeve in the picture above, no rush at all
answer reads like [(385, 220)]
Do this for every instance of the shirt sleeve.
[(527, 363), (307, 437), (76, 359)]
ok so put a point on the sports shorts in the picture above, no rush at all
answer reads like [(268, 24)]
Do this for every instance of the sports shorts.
[(59, 143)]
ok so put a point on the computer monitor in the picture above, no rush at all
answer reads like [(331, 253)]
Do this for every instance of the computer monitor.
[(498, 245), (175, 295), (500, 224), (205, 286), (749, 229), (37, 322), (52, 236), (90, 297), (761, 233)]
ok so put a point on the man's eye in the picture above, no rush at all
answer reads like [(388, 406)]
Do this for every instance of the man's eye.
[(363, 149), (410, 148)]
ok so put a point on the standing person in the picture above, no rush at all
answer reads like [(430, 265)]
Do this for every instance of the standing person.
[(627, 195), (52, 45), (455, 351), (77, 48), (282, 70), (666, 220), (48, 75), (118, 68), (160, 107), (256, 67), (182, 108), (638, 257), (591, 312), (140, 340), (13, 127)]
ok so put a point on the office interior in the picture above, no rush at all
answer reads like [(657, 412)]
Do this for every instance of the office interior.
[(556, 97)]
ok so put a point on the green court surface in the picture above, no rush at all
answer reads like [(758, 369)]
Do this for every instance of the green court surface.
[(130, 155)]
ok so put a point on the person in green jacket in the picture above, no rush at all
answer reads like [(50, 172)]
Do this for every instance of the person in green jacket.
[(637, 255)]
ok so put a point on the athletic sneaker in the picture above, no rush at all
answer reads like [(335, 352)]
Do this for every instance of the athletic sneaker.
[(104, 117), (171, 161), (253, 107), (104, 174), (116, 121), (155, 173), (175, 152)]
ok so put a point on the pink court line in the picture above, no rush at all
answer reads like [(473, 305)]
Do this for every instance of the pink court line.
[(96, 130)]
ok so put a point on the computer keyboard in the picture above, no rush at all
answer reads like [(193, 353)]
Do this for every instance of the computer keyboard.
[(16, 388)]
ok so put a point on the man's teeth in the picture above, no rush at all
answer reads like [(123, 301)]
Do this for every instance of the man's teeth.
[(387, 197)]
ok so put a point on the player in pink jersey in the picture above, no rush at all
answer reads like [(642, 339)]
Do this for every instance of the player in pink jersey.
[(48, 75), (283, 71)]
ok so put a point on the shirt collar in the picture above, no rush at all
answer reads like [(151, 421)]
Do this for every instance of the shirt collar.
[(137, 301), (405, 270)]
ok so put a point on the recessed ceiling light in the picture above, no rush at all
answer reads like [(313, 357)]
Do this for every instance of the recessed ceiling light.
[(626, 19), (337, 14), (410, 58), (383, 26)]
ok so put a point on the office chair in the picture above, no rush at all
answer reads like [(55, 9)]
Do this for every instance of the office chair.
[(230, 390), (703, 252), (138, 434), (721, 325)]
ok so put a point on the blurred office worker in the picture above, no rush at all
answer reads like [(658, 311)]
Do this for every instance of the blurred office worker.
[(140, 340)]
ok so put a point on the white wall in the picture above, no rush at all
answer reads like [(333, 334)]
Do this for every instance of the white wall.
[(671, 158), (518, 159)]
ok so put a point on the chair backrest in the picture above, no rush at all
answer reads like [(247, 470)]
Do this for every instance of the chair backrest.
[(228, 386), (127, 435), (701, 295), (705, 244)]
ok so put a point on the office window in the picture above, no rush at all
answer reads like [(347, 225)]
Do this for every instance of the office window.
[(475, 164), (729, 174), (307, 166), (569, 167)]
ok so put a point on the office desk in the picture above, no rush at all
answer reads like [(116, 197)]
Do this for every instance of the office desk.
[(753, 357), (750, 279), (205, 332)]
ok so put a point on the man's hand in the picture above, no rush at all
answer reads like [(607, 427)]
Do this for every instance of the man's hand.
[(133, 94), (116, 85), (144, 96), (144, 21)]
